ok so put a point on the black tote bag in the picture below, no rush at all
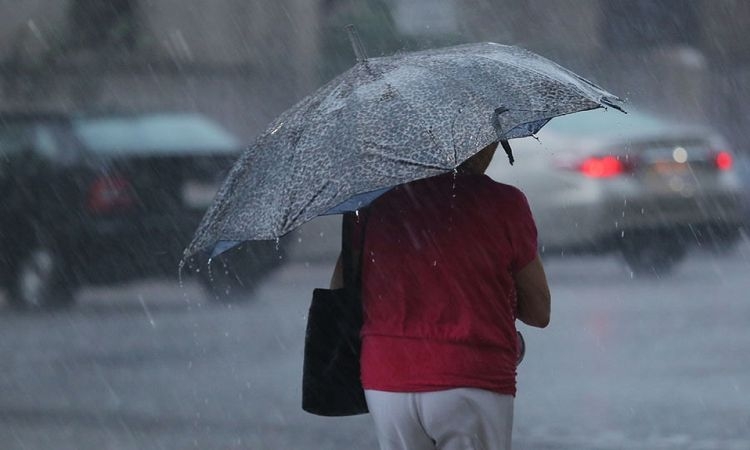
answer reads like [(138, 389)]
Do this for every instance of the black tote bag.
[(331, 383)]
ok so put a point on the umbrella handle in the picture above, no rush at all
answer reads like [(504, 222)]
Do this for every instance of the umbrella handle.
[(508, 151), (498, 130), (359, 49)]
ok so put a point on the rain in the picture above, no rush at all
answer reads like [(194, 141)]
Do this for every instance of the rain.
[(120, 120)]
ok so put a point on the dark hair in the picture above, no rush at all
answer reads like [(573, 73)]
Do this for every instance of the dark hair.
[(479, 158)]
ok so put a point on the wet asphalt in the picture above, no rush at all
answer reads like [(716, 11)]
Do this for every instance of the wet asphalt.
[(626, 363)]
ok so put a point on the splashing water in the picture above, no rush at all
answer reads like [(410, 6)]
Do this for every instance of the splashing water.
[(453, 186), (208, 267), (181, 281), (180, 267)]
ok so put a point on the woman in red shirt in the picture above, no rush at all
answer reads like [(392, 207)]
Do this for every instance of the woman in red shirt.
[(448, 264)]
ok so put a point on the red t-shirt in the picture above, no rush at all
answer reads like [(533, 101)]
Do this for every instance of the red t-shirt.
[(437, 288)]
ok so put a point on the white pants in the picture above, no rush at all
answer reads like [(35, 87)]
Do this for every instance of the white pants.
[(453, 419)]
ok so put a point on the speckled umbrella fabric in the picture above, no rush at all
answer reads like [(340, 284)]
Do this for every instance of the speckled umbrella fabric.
[(384, 122)]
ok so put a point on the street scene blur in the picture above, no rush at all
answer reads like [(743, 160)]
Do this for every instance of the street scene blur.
[(120, 123)]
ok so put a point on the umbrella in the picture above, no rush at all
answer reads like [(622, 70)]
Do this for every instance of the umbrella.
[(387, 121)]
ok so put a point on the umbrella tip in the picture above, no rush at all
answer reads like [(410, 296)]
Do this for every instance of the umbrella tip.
[(359, 49), (614, 102)]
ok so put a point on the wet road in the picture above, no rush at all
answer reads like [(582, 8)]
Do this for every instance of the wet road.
[(625, 364)]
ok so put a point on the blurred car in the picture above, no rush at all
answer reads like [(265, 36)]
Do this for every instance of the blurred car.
[(602, 181), (98, 199)]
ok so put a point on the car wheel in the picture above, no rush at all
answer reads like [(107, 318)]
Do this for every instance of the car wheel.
[(234, 276), (39, 281), (652, 254)]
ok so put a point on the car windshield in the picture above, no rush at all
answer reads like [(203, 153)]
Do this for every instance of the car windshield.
[(154, 133)]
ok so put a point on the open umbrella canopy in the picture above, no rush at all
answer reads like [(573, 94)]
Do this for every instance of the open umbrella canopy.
[(384, 122)]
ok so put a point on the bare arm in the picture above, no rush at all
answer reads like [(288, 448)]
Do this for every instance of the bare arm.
[(533, 294)]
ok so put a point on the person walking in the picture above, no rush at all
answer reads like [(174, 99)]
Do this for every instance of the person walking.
[(448, 264)]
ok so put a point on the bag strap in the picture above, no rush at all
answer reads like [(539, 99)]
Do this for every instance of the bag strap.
[(351, 264)]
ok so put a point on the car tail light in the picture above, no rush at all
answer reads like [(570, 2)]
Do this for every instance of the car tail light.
[(110, 193), (603, 167), (723, 160)]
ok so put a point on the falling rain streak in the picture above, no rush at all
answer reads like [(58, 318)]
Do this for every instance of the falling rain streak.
[(120, 121)]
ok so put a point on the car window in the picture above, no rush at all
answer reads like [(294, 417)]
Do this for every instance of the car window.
[(154, 133), (56, 140)]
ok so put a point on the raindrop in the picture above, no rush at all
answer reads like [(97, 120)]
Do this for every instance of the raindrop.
[(180, 267), (277, 128), (146, 311), (181, 282)]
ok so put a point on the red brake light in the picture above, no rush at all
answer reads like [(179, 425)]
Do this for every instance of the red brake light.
[(110, 193), (602, 167), (723, 160)]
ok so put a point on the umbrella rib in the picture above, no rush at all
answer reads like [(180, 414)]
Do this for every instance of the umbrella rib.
[(532, 69), (289, 221), (479, 98), (400, 159), (470, 92), (551, 78), (538, 72)]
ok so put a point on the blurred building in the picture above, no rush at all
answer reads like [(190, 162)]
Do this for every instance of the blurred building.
[(235, 60), (243, 61)]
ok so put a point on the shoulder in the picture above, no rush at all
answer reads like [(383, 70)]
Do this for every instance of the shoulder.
[(501, 189)]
